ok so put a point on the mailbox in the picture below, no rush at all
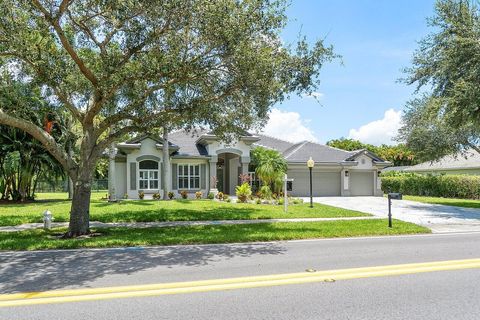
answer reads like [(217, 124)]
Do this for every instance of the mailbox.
[(395, 196), (392, 196)]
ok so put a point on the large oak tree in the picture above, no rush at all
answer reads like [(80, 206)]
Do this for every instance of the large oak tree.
[(125, 67), (445, 116)]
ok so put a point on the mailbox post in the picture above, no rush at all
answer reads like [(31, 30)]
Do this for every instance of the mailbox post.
[(285, 200), (392, 196)]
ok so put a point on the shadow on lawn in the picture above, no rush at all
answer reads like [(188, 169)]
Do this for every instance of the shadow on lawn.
[(40, 271), (179, 214)]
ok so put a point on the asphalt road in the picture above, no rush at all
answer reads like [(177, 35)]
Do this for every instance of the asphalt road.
[(432, 295)]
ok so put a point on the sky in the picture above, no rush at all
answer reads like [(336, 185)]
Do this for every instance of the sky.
[(359, 97)]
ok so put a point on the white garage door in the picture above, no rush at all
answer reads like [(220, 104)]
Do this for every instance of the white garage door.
[(324, 183), (361, 183)]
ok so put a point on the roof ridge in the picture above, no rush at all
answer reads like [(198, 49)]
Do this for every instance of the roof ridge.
[(275, 138), (301, 144), (327, 146)]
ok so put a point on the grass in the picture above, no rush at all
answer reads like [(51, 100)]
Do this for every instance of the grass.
[(121, 237), (151, 210), (466, 203)]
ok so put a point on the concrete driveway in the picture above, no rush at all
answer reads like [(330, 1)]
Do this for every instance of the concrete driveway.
[(438, 218)]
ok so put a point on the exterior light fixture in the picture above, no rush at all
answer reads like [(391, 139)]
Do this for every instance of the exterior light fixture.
[(310, 165)]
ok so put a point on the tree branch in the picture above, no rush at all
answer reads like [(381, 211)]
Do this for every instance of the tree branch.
[(38, 133), (113, 137), (61, 95), (55, 23)]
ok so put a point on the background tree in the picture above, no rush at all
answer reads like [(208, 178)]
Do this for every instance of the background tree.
[(23, 160), (111, 63), (398, 155), (445, 116)]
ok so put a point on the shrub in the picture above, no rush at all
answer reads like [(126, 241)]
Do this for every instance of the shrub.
[(156, 196), (220, 196), (171, 195), (265, 192), (243, 192), (125, 196), (281, 201), (198, 195), (226, 197), (210, 196), (244, 177), (258, 201), (141, 195), (184, 194), (447, 186), (297, 201)]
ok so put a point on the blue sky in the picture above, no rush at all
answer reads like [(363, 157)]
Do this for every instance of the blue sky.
[(376, 40)]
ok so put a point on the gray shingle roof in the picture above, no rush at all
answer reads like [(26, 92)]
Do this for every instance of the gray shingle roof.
[(397, 168), (450, 162), (186, 142), (272, 143), (302, 151)]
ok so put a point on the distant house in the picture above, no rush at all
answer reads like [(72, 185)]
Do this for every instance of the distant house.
[(196, 157), (452, 164)]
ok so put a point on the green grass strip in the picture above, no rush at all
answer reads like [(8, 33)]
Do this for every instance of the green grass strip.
[(122, 237)]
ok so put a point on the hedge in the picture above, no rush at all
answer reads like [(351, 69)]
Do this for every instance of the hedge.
[(446, 186)]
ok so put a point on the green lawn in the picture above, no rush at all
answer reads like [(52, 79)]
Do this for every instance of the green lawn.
[(151, 210), (467, 203), (121, 237)]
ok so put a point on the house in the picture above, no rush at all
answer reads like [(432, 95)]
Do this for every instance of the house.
[(451, 164), (197, 156)]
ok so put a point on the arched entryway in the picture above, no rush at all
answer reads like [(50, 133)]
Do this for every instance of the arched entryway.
[(230, 164)]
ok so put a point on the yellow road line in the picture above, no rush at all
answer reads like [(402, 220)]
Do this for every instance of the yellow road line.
[(75, 295)]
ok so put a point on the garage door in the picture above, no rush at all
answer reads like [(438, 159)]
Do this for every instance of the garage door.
[(361, 183), (324, 183)]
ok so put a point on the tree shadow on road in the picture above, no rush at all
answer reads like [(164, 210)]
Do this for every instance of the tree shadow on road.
[(40, 271)]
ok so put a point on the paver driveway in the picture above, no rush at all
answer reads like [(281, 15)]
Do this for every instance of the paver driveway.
[(438, 218)]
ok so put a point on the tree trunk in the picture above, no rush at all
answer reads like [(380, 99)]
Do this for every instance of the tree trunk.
[(80, 210), (70, 188), (69, 180), (166, 163)]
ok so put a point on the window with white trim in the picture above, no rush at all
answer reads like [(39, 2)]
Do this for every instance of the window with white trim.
[(188, 176), (148, 175)]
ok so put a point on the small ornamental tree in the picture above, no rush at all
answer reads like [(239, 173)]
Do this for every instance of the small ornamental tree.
[(270, 167), (126, 67)]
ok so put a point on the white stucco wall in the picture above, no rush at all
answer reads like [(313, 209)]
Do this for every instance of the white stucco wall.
[(148, 147), (120, 179), (364, 163), (215, 146)]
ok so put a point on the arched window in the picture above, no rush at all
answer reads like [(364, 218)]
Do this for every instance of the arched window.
[(148, 175)]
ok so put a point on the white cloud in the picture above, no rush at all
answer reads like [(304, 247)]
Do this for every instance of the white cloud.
[(379, 131), (288, 126), (314, 95)]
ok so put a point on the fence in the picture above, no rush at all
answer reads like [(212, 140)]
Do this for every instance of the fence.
[(62, 185)]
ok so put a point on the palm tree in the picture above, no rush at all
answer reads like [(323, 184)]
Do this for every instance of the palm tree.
[(24, 160), (270, 167)]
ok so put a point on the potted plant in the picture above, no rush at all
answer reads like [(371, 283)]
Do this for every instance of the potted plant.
[(243, 192), (184, 194)]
